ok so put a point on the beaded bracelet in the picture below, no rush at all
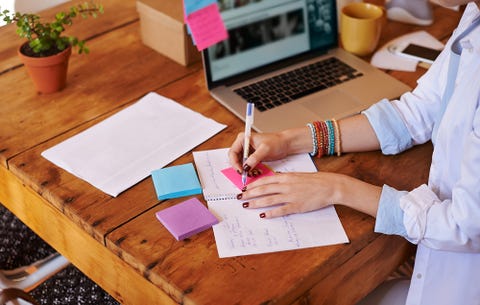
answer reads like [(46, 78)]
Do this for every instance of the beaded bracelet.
[(330, 137), (320, 138), (338, 147), (325, 138), (314, 139)]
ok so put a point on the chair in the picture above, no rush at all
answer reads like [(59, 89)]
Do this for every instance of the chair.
[(30, 268)]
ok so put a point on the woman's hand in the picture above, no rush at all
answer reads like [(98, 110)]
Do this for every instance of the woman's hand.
[(269, 146), (293, 193), (264, 146)]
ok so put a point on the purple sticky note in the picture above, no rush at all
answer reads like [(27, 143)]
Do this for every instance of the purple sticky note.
[(186, 218), (207, 26), (236, 178)]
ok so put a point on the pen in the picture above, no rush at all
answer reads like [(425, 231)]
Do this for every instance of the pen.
[(246, 143)]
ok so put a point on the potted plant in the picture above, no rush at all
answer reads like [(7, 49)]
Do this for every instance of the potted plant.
[(47, 50)]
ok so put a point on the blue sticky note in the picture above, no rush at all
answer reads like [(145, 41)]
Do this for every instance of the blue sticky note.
[(176, 181), (191, 6)]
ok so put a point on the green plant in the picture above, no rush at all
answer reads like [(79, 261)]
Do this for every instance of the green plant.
[(45, 38)]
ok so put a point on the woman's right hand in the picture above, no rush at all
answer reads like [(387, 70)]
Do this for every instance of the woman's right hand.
[(269, 146), (263, 147)]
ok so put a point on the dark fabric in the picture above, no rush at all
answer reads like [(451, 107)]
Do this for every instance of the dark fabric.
[(71, 286), (19, 246)]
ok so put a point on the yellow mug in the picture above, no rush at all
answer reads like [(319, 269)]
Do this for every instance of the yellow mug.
[(360, 27)]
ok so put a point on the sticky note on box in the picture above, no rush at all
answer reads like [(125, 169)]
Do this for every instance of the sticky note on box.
[(176, 181), (186, 218)]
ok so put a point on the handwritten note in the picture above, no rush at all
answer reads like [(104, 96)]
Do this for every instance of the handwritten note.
[(206, 26), (242, 232)]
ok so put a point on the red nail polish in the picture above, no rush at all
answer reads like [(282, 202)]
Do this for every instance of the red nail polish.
[(245, 204), (239, 196), (262, 215), (244, 188)]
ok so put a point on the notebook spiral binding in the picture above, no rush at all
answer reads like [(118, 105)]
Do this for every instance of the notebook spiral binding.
[(220, 197)]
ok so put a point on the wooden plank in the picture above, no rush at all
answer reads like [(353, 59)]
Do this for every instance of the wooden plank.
[(117, 14), (101, 265), (346, 286), (188, 270), (41, 121), (120, 71)]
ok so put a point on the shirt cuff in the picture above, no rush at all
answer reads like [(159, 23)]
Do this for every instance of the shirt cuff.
[(389, 127), (389, 218)]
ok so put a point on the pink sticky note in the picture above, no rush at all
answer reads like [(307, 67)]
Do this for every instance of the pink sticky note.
[(207, 26), (236, 178)]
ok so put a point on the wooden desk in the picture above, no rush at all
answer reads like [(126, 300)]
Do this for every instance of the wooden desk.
[(117, 241)]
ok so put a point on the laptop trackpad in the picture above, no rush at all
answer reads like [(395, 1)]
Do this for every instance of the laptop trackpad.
[(331, 103)]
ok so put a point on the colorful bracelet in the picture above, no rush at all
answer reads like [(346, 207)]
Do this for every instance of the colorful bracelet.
[(330, 137), (338, 143), (320, 138), (326, 142), (314, 139), (325, 138)]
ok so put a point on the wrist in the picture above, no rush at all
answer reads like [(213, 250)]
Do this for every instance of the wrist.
[(356, 194), (297, 140)]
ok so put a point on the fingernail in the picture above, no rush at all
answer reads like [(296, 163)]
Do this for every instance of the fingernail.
[(239, 172), (262, 215), (244, 188), (245, 204), (239, 196), (246, 167)]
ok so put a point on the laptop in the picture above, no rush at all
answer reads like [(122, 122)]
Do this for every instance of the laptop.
[(283, 55)]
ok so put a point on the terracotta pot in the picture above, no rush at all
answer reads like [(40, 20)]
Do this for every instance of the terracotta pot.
[(49, 74)]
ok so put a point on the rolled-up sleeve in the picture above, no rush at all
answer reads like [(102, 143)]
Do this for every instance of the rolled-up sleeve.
[(389, 219), (389, 127)]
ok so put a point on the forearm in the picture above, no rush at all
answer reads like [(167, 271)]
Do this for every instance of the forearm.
[(298, 140), (357, 134), (356, 194)]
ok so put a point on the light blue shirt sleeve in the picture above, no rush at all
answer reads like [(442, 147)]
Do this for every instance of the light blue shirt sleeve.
[(389, 218), (389, 127), (394, 137)]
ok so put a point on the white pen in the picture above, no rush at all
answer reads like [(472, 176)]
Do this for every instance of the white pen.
[(246, 143)]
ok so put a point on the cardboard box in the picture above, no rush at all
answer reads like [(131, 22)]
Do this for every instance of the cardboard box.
[(163, 29)]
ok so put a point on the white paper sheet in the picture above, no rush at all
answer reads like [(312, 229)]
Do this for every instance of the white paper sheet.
[(123, 149), (242, 232)]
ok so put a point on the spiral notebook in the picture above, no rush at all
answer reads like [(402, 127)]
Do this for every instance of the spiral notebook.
[(241, 231)]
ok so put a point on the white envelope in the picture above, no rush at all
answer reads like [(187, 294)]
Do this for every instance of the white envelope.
[(125, 148)]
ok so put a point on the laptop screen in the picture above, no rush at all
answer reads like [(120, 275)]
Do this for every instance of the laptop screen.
[(263, 33)]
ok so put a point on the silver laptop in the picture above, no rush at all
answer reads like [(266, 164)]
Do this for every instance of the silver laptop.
[(283, 55)]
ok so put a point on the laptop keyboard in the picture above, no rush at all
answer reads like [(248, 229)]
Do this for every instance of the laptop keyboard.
[(284, 88)]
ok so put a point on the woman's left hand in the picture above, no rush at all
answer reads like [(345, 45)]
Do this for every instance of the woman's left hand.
[(293, 193)]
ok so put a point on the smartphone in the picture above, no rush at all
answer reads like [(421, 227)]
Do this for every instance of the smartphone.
[(417, 52)]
